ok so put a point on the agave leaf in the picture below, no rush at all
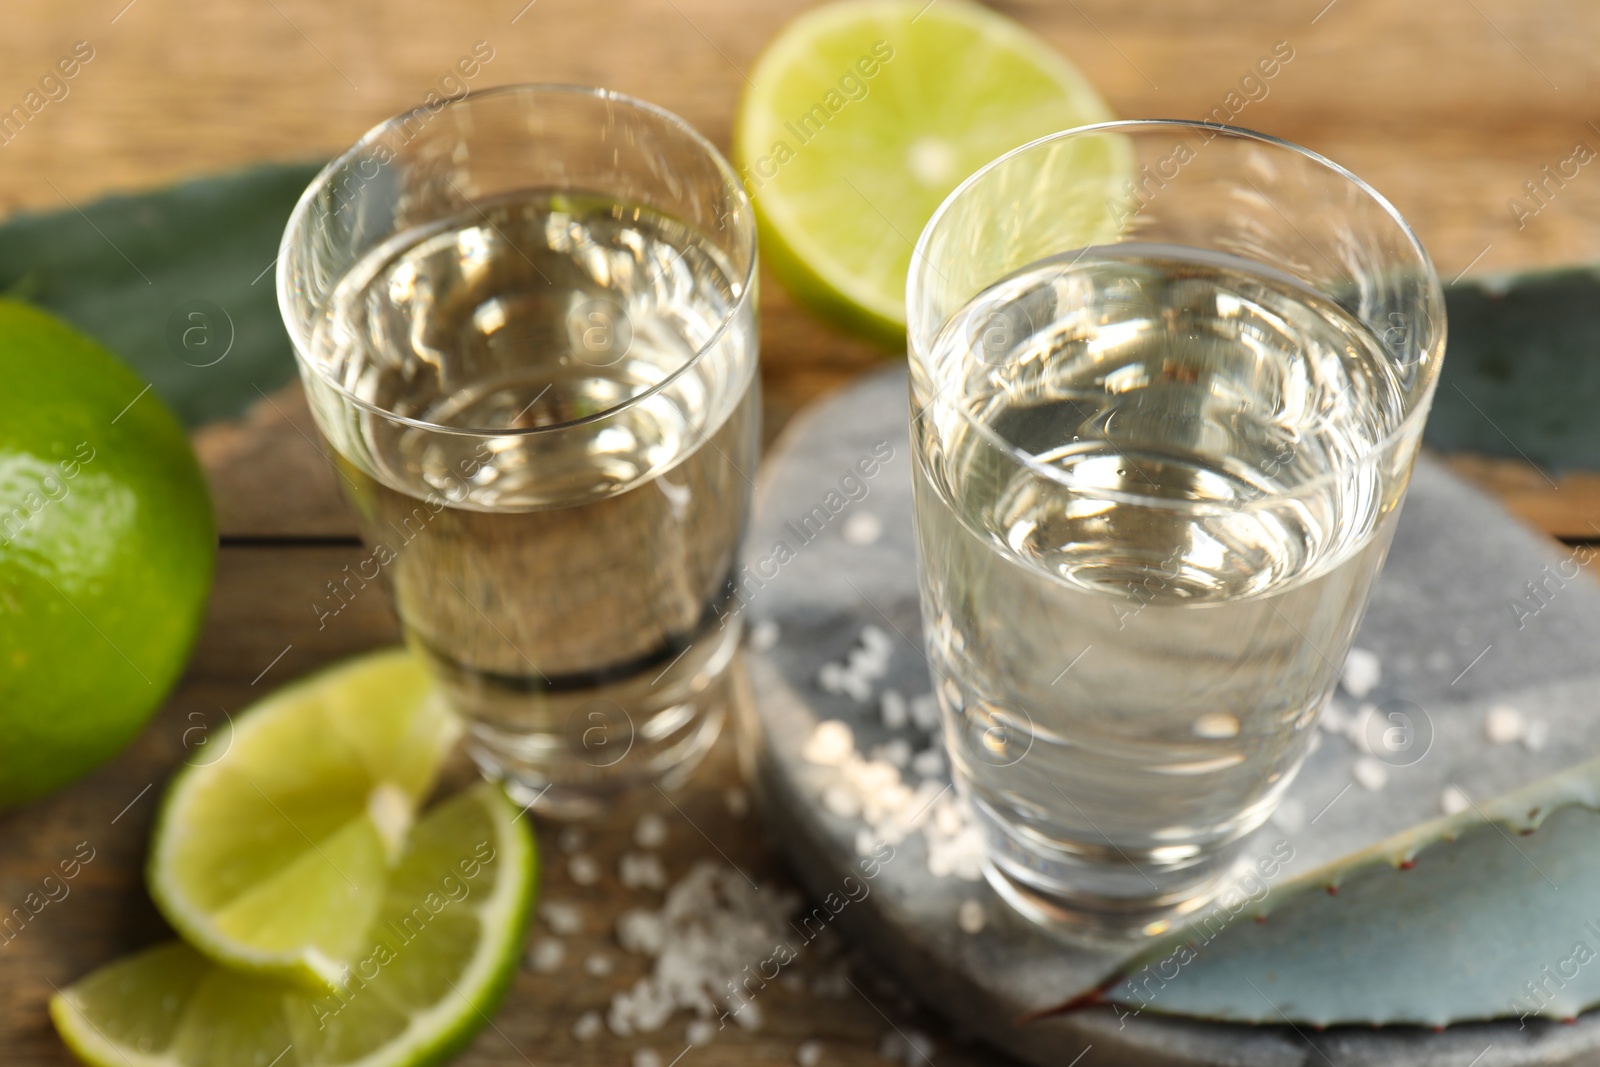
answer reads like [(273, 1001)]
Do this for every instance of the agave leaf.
[(175, 281), (1491, 913), (1520, 376)]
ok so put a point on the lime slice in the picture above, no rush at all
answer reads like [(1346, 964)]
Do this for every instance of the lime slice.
[(273, 856), (435, 963), (862, 116)]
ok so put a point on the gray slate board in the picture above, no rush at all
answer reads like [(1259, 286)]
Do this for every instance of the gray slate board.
[(1452, 646)]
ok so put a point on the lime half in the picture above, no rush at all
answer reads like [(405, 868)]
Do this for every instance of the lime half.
[(275, 854), (862, 116), (435, 963)]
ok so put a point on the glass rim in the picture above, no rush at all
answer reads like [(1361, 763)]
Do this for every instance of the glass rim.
[(1431, 288), (299, 337)]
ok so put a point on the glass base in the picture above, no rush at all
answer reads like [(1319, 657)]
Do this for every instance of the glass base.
[(1103, 894), (569, 754)]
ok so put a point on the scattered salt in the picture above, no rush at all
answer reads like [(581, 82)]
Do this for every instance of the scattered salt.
[(1453, 801), (925, 712), (583, 869), (1504, 724), (892, 706), (599, 965), (1534, 738), (570, 840), (809, 1054), (562, 917), (920, 1048), (700, 1032), (892, 1046), (1362, 672), (711, 926), (547, 955), (646, 1057), (830, 744), (862, 528), (737, 802), (651, 831), (970, 916), (641, 870), (587, 1028), (929, 763), (1371, 774), (764, 635)]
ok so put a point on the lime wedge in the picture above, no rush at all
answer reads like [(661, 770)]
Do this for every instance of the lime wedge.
[(862, 116), (273, 855), (434, 964)]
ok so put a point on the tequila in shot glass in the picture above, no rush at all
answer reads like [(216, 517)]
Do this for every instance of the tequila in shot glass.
[(526, 325), (1168, 382)]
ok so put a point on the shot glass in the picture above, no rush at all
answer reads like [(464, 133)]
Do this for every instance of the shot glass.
[(1168, 381), (526, 324)]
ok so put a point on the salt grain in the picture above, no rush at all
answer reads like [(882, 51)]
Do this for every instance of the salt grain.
[(651, 831), (1453, 801), (1371, 774), (830, 744), (1536, 735), (700, 1032), (925, 712), (809, 1054), (570, 840), (892, 706), (587, 1028), (641, 870), (842, 801), (646, 1057), (583, 869), (920, 1048), (929, 763), (970, 916), (1504, 724), (764, 635), (897, 752), (1362, 672), (562, 917), (599, 965), (892, 1046), (641, 932), (862, 528), (737, 802), (547, 955)]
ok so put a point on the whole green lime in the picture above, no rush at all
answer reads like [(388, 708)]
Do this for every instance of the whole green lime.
[(107, 546)]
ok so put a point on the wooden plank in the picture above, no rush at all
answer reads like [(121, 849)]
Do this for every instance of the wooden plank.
[(1448, 109)]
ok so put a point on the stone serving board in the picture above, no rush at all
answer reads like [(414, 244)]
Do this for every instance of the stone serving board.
[(1452, 647)]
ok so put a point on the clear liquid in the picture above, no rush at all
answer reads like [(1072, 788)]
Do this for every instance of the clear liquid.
[(568, 585), (1128, 688)]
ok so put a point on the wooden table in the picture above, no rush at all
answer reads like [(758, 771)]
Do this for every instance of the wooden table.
[(1448, 107)]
